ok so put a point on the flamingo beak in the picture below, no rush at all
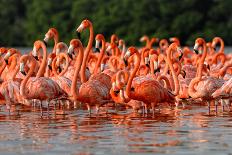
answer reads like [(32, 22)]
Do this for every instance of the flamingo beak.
[(96, 50), (195, 48), (50, 67), (78, 35), (102, 67), (6, 61), (59, 69), (45, 43), (36, 58), (70, 51), (181, 55), (125, 62), (79, 30), (21, 68), (146, 61), (157, 70)]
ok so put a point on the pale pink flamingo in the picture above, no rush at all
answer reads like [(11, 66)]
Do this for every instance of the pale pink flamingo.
[(41, 88), (203, 87), (52, 33)]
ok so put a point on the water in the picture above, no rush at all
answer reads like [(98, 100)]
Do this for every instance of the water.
[(178, 131)]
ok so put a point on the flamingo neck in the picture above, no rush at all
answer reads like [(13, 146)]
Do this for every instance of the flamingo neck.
[(201, 63), (86, 54), (44, 62), (137, 64), (99, 60), (77, 64), (174, 76), (29, 74), (56, 40)]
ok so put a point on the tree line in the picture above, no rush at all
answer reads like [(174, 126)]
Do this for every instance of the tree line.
[(24, 21)]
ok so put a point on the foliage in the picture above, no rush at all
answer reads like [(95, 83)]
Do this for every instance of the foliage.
[(24, 21)]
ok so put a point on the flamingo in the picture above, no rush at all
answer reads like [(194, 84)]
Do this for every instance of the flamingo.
[(145, 89), (203, 87), (96, 90), (41, 88), (52, 33)]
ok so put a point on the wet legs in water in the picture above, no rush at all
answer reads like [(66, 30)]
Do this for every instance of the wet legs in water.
[(216, 106)]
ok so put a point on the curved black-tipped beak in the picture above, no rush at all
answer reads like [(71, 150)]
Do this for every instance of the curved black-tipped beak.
[(6, 61), (132, 89), (70, 56), (117, 92), (208, 67), (147, 65), (36, 58), (196, 51), (126, 62), (78, 35), (50, 67), (156, 70), (46, 44), (96, 50), (214, 48), (23, 72), (181, 55), (59, 69), (108, 54)]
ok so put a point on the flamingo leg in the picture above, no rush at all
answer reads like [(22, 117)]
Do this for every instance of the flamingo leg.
[(208, 102), (75, 104), (89, 109), (48, 103), (216, 106), (41, 108), (55, 108), (68, 104), (227, 102), (223, 105)]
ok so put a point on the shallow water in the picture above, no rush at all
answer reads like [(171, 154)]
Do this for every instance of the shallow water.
[(178, 131)]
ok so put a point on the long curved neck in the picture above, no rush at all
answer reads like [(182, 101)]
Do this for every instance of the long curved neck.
[(128, 87), (167, 84), (221, 50), (201, 63), (56, 40), (78, 63), (169, 61), (99, 60), (42, 67), (191, 90), (86, 53), (29, 74)]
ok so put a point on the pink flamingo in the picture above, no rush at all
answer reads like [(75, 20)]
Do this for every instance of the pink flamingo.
[(38, 87), (146, 90), (203, 87)]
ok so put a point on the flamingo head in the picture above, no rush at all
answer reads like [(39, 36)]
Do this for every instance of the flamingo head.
[(37, 46), (130, 51), (74, 43), (21, 68), (9, 53), (199, 42), (60, 46), (143, 38), (111, 47), (84, 24), (114, 38), (99, 38), (52, 33)]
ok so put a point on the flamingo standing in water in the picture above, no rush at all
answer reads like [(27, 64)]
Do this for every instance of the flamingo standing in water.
[(145, 89), (96, 90), (203, 87), (41, 88)]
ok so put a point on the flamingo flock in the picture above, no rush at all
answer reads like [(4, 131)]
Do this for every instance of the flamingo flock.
[(111, 75)]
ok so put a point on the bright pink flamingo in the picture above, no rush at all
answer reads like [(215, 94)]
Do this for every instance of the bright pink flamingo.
[(96, 90), (146, 90)]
